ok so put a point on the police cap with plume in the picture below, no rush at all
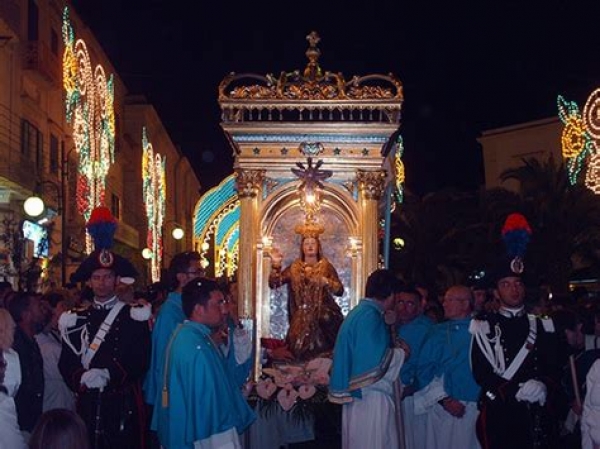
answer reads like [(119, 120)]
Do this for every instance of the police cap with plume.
[(516, 234), (102, 226)]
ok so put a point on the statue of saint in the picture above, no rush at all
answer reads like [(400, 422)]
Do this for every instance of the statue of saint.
[(312, 280)]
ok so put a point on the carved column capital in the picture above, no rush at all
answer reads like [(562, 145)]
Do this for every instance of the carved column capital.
[(248, 182), (371, 183)]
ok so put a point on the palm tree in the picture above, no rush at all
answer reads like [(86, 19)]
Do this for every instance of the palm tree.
[(565, 220), (440, 231)]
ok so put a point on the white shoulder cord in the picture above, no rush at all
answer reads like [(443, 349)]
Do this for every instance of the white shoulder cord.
[(494, 356), (83, 330)]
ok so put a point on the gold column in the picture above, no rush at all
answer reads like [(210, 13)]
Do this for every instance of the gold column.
[(371, 185), (249, 185)]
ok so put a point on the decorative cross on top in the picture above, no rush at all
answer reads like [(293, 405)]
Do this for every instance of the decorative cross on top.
[(313, 39)]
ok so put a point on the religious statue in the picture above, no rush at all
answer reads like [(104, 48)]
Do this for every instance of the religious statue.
[(312, 280)]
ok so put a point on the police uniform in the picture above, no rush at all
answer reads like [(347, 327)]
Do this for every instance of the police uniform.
[(114, 413), (509, 349)]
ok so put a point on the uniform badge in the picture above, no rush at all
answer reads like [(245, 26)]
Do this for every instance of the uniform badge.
[(106, 258), (517, 266)]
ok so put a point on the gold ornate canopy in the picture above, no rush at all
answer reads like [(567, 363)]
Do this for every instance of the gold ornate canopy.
[(326, 94), (276, 124)]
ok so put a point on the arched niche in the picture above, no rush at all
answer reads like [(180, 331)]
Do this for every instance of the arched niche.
[(280, 212)]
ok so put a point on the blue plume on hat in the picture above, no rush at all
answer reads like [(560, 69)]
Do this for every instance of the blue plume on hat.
[(101, 227)]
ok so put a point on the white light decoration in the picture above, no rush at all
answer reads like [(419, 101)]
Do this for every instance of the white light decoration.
[(591, 117), (147, 253), (34, 206), (154, 195), (89, 102)]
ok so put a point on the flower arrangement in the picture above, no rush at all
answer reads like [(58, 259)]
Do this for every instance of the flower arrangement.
[(294, 387)]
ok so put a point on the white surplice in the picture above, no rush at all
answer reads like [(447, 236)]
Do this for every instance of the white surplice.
[(370, 423)]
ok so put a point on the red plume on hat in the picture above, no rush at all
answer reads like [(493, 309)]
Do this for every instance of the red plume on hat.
[(516, 234), (102, 227)]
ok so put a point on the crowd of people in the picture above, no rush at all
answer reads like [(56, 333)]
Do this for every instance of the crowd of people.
[(489, 366)]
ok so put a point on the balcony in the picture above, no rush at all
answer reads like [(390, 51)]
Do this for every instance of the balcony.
[(42, 64)]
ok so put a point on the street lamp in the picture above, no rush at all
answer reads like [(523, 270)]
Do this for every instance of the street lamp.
[(147, 253), (177, 233), (34, 206)]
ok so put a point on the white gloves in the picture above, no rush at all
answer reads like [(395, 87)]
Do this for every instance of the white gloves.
[(532, 391), (95, 378)]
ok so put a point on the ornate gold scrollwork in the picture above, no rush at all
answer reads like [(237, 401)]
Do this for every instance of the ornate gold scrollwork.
[(371, 183), (248, 182)]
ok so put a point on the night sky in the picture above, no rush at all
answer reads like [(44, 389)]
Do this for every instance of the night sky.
[(465, 69)]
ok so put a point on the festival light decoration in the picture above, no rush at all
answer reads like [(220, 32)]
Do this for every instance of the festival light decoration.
[(89, 103), (154, 194), (581, 139), (399, 168), (591, 117), (212, 231)]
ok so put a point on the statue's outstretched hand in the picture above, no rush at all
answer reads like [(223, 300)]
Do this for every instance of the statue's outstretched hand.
[(276, 258)]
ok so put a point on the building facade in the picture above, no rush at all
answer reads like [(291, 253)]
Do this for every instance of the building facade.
[(506, 147), (40, 153)]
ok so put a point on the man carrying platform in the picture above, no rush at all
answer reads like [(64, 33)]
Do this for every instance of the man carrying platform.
[(365, 366), (201, 405)]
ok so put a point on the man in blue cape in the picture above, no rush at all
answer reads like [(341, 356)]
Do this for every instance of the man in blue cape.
[(183, 268), (201, 405), (365, 365)]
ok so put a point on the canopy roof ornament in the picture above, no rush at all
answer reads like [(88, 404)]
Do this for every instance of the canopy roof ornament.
[(310, 95)]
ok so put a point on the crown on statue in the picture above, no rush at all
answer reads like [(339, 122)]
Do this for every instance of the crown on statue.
[(310, 229)]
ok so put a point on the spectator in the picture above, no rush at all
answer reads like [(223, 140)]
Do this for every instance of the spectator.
[(59, 429), (27, 312), (12, 376), (10, 434), (56, 392)]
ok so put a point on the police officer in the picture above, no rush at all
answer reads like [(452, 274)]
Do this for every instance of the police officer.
[(106, 346)]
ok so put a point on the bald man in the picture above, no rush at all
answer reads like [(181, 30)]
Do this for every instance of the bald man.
[(449, 398)]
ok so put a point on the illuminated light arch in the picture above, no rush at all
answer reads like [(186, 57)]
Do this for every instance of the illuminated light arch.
[(227, 228), (215, 215), (154, 197), (89, 104)]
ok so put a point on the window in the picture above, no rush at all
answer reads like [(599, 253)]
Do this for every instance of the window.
[(115, 206), (53, 154), (53, 42), (31, 143), (32, 20)]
